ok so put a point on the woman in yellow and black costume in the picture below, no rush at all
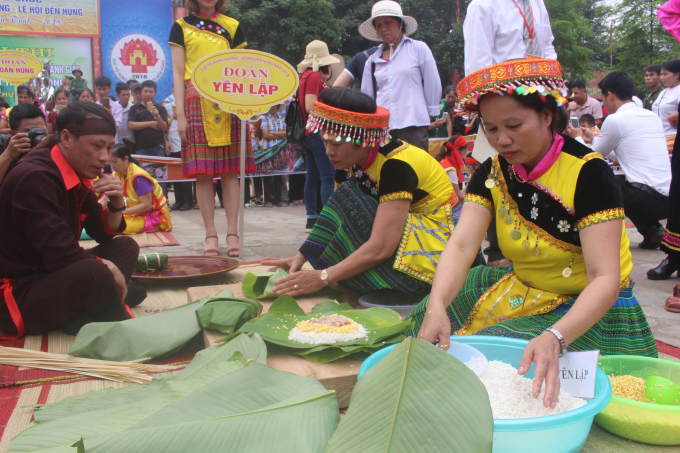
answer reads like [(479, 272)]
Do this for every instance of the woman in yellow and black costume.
[(391, 214), (559, 219), (211, 138)]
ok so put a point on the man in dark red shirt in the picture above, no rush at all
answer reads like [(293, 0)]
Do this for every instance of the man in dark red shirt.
[(47, 280)]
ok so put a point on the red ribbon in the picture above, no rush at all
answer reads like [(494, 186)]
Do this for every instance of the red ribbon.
[(14, 312)]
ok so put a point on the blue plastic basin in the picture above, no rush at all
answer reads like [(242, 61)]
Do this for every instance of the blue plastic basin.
[(561, 433)]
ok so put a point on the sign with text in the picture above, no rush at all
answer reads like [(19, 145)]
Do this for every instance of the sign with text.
[(50, 18), (63, 53), (577, 373), (244, 82), (137, 48), (18, 67)]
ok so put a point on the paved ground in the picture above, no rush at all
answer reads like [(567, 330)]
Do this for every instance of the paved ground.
[(278, 232)]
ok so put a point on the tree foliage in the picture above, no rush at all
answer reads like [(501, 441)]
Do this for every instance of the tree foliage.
[(641, 40), (581, 29)]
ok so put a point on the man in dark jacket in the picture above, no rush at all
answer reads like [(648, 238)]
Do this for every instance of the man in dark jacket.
[(47, 280)]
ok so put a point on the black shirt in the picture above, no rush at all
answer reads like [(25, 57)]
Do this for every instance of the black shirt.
[(148, 137)]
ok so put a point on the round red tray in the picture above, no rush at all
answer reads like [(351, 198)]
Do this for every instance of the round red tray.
[(189, 267)]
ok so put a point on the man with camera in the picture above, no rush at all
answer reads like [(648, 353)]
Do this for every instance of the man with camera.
[(47, 281), (27, 129)]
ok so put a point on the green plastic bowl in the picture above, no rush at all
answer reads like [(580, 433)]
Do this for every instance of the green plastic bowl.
[(643, 422)]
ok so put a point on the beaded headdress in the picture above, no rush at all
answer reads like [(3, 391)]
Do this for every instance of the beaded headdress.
[(364, 129), (520, 77)]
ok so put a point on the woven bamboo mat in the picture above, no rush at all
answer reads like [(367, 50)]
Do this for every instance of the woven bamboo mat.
[(159, 239)]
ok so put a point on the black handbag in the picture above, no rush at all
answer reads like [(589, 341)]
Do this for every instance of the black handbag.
[(295, 127)]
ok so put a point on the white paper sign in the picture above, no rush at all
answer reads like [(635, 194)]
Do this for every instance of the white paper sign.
[(577, 373)]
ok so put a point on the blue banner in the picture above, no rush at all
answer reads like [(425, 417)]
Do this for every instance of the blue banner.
[(135, 42)]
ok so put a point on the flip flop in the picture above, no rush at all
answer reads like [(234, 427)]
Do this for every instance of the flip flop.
[(233, 252), (211, 252)]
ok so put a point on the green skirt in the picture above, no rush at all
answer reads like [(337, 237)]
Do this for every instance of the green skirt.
[(622, 331)]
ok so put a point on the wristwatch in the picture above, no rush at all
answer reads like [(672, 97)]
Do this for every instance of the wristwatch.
[(121, 209), (560, 338), (324, 277)]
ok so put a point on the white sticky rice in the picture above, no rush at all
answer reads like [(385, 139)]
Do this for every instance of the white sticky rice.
[(511, 397), (326, 337)]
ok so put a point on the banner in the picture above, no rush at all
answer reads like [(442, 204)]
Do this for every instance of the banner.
[(65, 54), (18, 67), (53, 18), (135, 43), (244, 82)]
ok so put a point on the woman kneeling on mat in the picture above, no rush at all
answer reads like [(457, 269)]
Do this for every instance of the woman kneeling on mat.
[(387, 222), (559, 218), (147, 209)]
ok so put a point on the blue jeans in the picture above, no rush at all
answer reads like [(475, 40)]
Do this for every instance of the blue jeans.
[(319, 170), (158, 151)]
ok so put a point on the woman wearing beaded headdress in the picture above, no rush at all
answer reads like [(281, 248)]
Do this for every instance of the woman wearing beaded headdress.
[(388, 220), (211, 138), (559, 218)]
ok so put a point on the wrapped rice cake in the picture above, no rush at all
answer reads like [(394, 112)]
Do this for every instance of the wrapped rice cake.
[(151, 262), (327, 330)]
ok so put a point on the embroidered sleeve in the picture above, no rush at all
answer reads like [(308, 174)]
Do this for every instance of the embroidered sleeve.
[(476, 191), (472, 198), (597, 197), (176, 35), (398, 181)]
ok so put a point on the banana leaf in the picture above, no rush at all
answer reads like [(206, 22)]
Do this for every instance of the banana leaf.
[(384, 327), (227, 315), (258, 285), (417, 398), (250, 346), (151, 336), (209, 405), (253, 410)]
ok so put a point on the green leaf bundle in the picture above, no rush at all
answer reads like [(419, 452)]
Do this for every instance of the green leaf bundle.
[(151, 262), (384, 328), (227, 315), (417, 398), (258, 285), (213, 404), (151, 336)]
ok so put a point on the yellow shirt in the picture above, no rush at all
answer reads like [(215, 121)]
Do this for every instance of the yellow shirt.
[(201, 36)]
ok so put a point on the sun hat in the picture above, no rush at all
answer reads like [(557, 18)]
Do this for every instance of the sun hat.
[(519, 77), (317, 55), (382, 9)]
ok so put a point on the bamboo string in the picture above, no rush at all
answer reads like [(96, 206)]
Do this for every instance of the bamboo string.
[(131, 371)]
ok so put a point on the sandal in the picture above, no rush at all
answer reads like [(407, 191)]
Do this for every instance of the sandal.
[(233, 252), (269, 205), (282, 205), (211, 252)]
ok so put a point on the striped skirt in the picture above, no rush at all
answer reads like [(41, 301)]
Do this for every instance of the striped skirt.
[(200, 158), (622, 330), (344, 225)]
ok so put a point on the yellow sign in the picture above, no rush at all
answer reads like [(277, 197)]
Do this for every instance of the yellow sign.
[(18, 67), (54, 18), (244, 82)]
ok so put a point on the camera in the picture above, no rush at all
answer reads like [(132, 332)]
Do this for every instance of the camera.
[(36, 135)]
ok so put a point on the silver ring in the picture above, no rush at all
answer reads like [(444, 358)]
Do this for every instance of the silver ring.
[(296, 287)]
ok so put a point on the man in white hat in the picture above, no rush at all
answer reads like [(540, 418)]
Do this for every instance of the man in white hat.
[(500, 30), (401, 75)]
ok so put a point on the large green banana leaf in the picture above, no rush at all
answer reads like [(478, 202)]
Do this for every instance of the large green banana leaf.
[(250, 346), (149, 336), (384, 327), (59, 426), (256, 409), (227, 315), (416, 399)]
